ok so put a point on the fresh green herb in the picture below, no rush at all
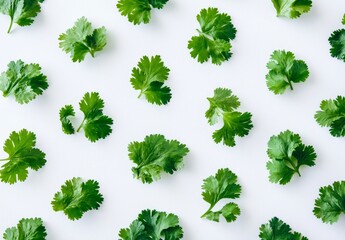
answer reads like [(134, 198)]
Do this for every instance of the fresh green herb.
[(77, 197), (139, 11), (223, 106), (24, 81), (156, 155), (22, 12), (292, 8), (337, 42), (221, 186), (284, 70), (155, 225), (332, 115), (149, 78), (343, 21), (276, 229), (96, 125), (22, 154), (27, 229), (287, 154), (214, 37), (82, 39), (331, 202)]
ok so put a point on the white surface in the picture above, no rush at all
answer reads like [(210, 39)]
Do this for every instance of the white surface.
[(259, 33)]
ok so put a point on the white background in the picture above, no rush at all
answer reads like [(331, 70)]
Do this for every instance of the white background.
[(259, 33)]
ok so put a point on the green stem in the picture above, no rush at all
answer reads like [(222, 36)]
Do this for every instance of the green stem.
[(92, 53), (4, 159), (81, 125), (290, 85), (10, 27), (295, 168), (208, 211)]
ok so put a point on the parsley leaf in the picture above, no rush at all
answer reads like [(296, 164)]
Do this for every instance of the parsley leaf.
[(332, 115), (22, 154), (277, 229), (24, 81), (214, 37), (222, 106), (155, 155), (337, 42), (139, 11), (77, 197), (96, 125), (292, 8), (221, 186), (284, 70), (331, 202), (149, 78), (82, 39), (155, 225), (287, 154), (27, 229), (22, 12)]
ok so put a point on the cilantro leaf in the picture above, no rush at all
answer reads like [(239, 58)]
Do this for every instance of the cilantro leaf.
[(77, 197), (82, 39), (65, 113), (287, 154), (152, 224), (222, 106), (24, 81), (156, 155), (22, 154), (221, 186), (278, 230), (139, 11), (331, 202), (343, 20), (22, 12), (214, 37), (337, 42), (292, 8), (149, 78), (332, 115), (27, 229), (284, 70)]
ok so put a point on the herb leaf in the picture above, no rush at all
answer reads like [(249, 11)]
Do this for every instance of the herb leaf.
[(292, 8), (27, 229)]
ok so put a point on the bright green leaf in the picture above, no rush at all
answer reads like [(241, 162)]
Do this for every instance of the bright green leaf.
[(27, 229), (292, 8)]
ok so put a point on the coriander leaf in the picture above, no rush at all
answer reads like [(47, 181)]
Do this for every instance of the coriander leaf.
[(155, 225), (77, 197), (149, 78), (337, 42), (139, 11), (214, 37), (82, 39), (332, 115), (22, 12), (24, 81), (285, 70), (287, 154), (22, 154), (278, 230), (221, 186), (156, 155), (27, 229), (65, 113), (343, 21), (222, 106), (292, 8), (331, 202)]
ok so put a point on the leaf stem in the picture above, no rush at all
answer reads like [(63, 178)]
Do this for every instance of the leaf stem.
[(295, 168), (10, 27), (81, 125), (4, 159), (208, 211), (291, 87)]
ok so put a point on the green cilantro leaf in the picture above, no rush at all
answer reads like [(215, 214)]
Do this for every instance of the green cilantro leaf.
[(337, 42), (22, 12), (139, 11), (287, 154), (149, 78), (77, 197), (331, 202), (22, 154), (27, 229), (222, 106), (214, 37), (278, 230), (292, 8), (155, 225), (221, 186), (82, 39), (95, 124), (285, 70), (155, 155), (24, 81), (343, 21), (332, 115)]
